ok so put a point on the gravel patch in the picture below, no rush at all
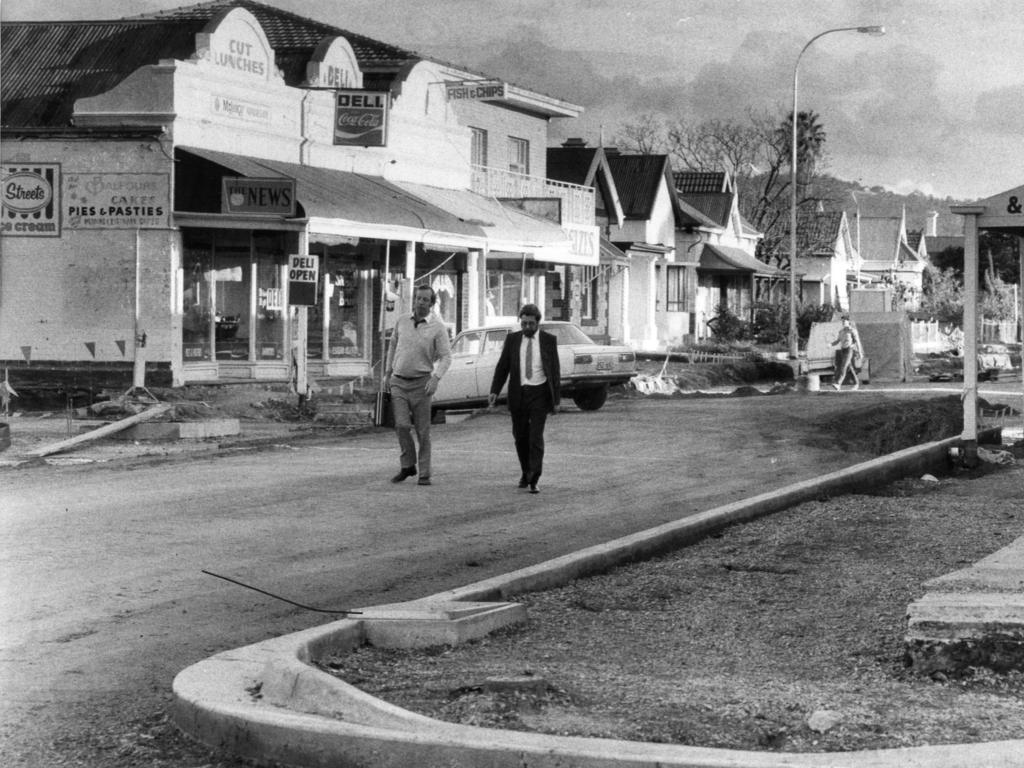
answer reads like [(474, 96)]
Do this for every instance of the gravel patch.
[(781, 634)]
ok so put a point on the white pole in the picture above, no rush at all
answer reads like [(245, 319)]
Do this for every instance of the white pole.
[(970, 396), (139, 361)]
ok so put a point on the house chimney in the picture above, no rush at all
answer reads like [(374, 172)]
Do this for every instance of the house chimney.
[(612, 151), (932, 230), (574, 143)]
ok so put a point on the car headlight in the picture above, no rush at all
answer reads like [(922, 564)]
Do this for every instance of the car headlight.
[(584, 359)]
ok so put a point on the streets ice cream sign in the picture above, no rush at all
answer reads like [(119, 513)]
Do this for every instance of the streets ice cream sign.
[(28, 200), (116, 200)]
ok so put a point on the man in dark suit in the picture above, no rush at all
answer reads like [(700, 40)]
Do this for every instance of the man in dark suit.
[(529, 361)]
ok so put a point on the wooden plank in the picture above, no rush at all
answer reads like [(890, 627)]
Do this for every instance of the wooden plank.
[(99, 432)]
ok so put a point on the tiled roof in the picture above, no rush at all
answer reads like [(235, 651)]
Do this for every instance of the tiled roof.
[(289, 31), (701, 181), (818, 231), (47, 66)]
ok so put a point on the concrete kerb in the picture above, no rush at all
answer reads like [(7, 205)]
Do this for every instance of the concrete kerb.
[(267, 702)]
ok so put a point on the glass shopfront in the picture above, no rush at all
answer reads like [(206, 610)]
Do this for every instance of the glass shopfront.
[(233, 296), (341, 322)]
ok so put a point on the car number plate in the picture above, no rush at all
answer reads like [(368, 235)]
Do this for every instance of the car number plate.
[(604, 366)]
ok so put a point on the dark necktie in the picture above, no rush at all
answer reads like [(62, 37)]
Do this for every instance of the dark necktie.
[(529, 357)]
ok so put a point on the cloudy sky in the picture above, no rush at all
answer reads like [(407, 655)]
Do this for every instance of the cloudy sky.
[(935, 105)]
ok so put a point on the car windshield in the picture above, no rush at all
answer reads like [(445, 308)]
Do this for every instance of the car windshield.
[(567, 334)]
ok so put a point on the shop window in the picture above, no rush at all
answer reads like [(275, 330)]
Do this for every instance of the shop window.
[(270, 301), (518, 155), (224, 315), (478, 146), (196, 302), (504, 293)]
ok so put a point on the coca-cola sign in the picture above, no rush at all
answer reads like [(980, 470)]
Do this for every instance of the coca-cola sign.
[(361, 118)]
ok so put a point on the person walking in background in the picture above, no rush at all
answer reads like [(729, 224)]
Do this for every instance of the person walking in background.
[(848, 343), (419, 355), (529, 361)]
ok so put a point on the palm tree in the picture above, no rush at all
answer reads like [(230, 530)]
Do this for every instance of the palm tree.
[(810, 142)]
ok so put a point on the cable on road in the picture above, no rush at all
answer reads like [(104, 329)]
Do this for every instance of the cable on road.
[(283, 599)]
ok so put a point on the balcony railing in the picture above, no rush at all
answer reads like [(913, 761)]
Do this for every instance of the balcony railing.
[(577, 201)]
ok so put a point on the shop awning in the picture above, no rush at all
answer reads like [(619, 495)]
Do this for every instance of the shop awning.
[(721, 258), (355, 204), (505, 228), (610, 254)]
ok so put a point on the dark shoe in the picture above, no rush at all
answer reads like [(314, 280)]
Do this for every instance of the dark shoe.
[(404, 473), (523, 482), (424, 480), (533, 488)]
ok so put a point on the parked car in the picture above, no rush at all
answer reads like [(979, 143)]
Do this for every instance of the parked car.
[(588, 369)]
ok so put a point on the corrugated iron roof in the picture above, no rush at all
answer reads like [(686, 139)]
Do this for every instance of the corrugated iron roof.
[(47, 66), (724, 259), (637, 177), (574, 165), (715, 205)]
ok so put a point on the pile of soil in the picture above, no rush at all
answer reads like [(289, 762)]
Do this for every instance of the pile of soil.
[(785, 634)]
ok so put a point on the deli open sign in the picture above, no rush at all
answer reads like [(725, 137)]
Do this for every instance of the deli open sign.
[(303, 273)]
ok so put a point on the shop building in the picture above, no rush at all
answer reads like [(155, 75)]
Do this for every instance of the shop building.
[(230, 192)]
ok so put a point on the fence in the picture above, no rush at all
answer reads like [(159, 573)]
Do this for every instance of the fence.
[(933, 336)]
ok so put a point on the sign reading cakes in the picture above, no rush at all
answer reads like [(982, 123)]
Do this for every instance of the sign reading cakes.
[(28, 200), (270, 197), (303, 270), (361, 118), (116, 200)]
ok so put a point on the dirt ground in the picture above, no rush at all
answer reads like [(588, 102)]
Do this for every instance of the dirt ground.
[(122, 723)]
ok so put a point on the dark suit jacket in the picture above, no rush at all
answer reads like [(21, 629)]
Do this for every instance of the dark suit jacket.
[(508, 368)]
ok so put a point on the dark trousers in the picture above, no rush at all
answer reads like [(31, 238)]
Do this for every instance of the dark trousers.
[(528, 422)]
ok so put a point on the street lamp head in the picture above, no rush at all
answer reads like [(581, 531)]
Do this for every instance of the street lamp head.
[(876, 31)]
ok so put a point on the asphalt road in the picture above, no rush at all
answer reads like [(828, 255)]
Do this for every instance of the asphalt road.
[(104, 600)]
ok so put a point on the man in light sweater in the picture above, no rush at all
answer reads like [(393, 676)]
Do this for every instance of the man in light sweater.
[(418, 356)]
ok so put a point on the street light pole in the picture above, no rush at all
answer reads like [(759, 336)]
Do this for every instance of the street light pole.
[(793, 339)]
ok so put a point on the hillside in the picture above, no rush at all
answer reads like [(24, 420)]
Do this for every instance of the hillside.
[(877, 201)]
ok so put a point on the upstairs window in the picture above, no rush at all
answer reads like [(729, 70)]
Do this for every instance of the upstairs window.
[(478, 148), (519, 155)]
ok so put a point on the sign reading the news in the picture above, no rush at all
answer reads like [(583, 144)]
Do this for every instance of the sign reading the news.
[(303, 272), (361, 118), (267, 196)]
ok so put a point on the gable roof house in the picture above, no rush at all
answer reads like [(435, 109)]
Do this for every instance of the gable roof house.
[(200, 157), (828, 263), (723, 252), (892, 256), (602, 306), (657, 315)]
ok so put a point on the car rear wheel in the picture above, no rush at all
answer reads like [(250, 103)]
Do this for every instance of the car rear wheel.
[(590, 399)]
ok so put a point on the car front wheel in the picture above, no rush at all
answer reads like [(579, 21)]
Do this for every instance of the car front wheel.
[(590, 399)]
